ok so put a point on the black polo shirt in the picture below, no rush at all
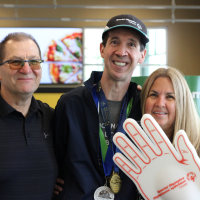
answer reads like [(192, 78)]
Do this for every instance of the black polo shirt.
[(28, 168)]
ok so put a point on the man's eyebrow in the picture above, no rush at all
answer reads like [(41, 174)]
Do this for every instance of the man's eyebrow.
[(33, 57), (132, 40), (114, 37), (20, 58), (16, 57), (129, 39)]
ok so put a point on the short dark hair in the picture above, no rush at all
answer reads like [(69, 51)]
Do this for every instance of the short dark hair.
[(17, 36), (106, 36)]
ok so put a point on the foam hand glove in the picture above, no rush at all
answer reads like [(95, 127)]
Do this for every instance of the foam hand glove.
[(159, 170)]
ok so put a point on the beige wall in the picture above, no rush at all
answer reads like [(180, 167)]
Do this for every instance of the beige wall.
[(183, 38)]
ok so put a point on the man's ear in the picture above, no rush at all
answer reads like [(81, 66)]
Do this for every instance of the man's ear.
[(142, 57), (102, 50)]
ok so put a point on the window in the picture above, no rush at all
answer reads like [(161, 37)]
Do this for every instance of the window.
[(92, 59), (156, 56), (156, 52)]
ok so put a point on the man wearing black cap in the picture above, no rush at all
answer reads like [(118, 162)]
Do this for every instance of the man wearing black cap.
[(87, 117)]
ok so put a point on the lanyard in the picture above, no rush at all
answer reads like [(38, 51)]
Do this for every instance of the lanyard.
[(107, 152)]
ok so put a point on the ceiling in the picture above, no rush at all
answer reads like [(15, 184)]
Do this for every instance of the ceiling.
[(88, 11)]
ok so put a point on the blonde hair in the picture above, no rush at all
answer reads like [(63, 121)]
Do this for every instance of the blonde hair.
[(187, 117)]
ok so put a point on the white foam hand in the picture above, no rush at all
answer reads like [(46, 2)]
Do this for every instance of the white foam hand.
[(159, 170)]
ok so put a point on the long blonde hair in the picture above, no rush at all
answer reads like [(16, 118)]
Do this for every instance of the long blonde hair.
[(187, 117)]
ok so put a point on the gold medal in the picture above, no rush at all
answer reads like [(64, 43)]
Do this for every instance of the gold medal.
[(115, 182)]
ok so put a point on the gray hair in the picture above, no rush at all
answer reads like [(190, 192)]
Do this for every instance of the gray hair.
[(17, 36)]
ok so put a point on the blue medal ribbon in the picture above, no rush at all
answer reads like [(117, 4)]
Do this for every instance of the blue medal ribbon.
[(100, 99)]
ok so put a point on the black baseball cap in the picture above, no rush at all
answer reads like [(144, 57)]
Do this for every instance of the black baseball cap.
[(129, 21)]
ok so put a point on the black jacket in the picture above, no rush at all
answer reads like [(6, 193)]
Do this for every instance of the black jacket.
[(77, 143)]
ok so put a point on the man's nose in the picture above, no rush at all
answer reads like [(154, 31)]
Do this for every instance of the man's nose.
[(121, 50), (26, 69)]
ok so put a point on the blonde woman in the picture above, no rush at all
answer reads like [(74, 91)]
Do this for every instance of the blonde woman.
[(166, 96)]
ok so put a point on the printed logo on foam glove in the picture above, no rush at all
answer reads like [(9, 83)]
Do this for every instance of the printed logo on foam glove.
[(191, 176), (159, 170)]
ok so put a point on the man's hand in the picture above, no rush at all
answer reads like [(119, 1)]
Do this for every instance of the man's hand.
[(159, 170), (57, 188)]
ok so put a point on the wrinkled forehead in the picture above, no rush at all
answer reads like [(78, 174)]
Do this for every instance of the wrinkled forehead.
[(20, 47)]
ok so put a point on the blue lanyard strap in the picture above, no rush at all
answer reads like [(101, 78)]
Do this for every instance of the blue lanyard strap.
[(100, 99)]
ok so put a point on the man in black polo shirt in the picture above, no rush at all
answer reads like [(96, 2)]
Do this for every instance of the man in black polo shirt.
[(27, 158)]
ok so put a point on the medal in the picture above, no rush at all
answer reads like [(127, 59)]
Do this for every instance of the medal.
[(107, 151), (115, 182), (103, 192)]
